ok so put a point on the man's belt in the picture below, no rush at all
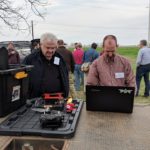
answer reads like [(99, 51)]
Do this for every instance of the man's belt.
[(146, 65)]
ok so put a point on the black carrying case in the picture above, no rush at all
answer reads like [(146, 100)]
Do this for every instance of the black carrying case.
[(13, 88)]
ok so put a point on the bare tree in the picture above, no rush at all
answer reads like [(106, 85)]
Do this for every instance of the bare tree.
[(14, 16)]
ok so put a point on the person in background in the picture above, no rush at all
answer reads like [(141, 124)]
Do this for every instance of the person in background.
[(89, 56), (111, 69), (68, 58), (78, 58), (36, 47), (143, 67), (13, 55), (75, 46), (50, 73)]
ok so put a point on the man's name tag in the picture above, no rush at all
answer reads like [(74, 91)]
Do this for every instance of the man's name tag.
[(119, 75), (56, 61)]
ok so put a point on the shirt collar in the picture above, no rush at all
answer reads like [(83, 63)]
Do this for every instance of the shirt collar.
[(109, 60)]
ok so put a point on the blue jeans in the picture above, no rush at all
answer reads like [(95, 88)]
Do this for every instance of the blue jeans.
[(143, 71), (78, 77)]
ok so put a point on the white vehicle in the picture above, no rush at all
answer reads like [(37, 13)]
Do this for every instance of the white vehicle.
[(23, 47), (23, 52)]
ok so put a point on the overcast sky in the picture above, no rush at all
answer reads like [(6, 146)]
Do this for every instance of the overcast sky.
[(89, 21)]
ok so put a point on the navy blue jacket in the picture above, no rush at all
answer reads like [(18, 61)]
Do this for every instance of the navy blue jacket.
[(36, 75)]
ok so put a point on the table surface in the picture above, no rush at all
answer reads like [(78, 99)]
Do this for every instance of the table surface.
[(107, 131)]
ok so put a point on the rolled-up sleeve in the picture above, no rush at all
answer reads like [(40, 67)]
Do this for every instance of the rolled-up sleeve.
[(93, 77), (139, 58)]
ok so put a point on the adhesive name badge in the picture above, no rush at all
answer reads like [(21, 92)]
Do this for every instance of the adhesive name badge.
[(56, 61), (119, 75), (16, 93)]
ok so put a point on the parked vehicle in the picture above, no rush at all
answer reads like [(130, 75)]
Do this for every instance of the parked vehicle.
[(23, 47)]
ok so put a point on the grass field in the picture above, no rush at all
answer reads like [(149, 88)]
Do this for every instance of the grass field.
[(131, 54)]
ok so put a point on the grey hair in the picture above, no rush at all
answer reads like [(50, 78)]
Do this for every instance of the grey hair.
[(48, 36), (143, 42)]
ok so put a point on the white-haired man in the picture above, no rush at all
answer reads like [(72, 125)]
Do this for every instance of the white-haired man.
[(50, 74)]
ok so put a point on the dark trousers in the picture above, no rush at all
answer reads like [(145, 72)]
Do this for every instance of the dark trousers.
[(143, 71)]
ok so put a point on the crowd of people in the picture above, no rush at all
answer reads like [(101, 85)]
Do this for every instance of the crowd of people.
[(57, 69)]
